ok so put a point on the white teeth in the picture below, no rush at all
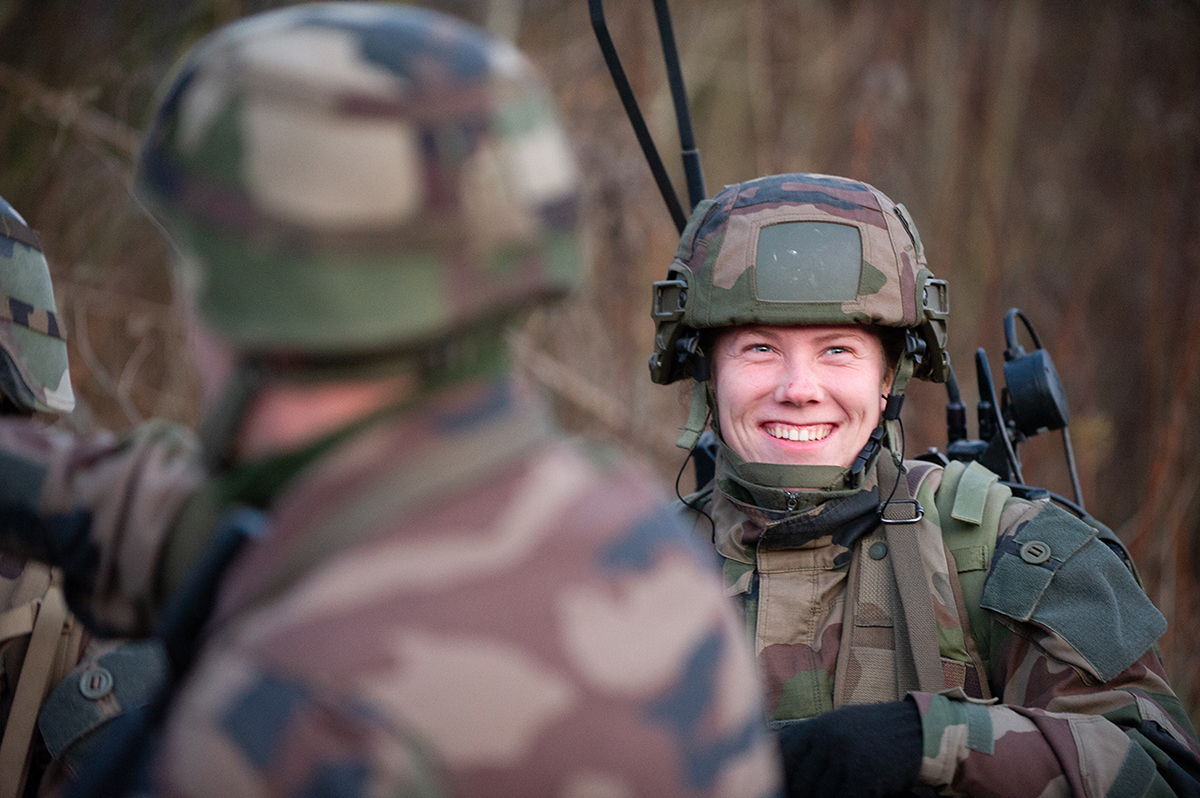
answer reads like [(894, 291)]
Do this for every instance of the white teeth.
[(800, 434)]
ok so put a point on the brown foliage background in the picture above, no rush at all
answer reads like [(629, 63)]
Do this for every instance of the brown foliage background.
[(1049, 152)]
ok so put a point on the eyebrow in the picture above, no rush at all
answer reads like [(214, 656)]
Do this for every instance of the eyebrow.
[(771, 333), (758, 331), (840, 335)]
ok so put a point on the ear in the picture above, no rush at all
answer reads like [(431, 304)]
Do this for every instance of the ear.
[(889, 377)]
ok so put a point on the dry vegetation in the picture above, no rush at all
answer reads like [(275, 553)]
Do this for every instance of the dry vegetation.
[(1049, 152)]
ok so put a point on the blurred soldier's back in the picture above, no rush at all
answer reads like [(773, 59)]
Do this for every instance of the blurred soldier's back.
[(448, 598)]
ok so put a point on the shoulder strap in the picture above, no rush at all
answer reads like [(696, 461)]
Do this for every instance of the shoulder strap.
[(900, 518), (876, 661), (46, 636), (970, 504)]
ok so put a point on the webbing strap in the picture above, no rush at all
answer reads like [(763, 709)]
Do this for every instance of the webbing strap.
[(848, 642), (17, 622), (31, 689), (970, 499), (964, 620), (895, 399), (697, 415), (908, 566)]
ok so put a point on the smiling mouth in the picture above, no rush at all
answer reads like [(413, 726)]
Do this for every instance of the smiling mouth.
[(811, 432)]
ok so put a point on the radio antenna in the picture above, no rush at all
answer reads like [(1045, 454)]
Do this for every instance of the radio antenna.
[(687, 142)]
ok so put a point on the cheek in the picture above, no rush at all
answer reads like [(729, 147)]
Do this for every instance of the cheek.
[(733, 393)]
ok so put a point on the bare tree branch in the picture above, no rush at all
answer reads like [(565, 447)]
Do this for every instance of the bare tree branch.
[(68, 111)]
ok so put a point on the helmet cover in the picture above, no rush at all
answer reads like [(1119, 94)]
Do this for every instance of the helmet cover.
[(799, 249), (33, 346), (352, 177)]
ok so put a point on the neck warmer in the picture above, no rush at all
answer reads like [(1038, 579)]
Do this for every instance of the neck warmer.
[(783, 518)]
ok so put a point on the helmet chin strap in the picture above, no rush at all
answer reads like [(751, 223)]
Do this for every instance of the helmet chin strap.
[(891, 410), (697, 416)]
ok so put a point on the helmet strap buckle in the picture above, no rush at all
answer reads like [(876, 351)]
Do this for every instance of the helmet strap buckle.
[(868, 452), (891, 410)]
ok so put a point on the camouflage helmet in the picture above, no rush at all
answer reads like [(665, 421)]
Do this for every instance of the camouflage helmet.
[(798, 249), (350, 177), (33, 345)]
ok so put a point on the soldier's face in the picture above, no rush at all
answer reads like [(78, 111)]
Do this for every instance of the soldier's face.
[(799, 395)]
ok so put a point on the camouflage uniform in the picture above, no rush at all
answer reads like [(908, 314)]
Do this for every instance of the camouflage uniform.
[(1046, 681), (449, 599)]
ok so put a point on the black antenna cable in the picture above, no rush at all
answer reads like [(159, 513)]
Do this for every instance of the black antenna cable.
[(691, 156), (683, 117)]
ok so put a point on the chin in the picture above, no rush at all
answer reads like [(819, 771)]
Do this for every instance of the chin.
[(777, 457)]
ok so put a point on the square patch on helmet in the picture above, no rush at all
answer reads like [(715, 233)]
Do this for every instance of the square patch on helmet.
[(808, 262)]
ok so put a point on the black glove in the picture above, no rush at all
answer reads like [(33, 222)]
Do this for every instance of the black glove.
[(870, 750)]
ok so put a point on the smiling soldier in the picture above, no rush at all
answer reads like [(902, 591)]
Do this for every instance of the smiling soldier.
[(916, 627)]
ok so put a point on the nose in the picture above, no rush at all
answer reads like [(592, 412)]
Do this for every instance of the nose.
[(798, 385)]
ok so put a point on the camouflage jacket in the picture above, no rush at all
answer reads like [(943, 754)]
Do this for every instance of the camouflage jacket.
[(59, 685), (1054, 689), (491, 611)]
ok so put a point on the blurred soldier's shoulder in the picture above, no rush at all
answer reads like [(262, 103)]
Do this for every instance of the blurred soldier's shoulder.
[(496, 592)]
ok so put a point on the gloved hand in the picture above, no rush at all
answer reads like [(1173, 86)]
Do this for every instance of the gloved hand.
[(869, 750)]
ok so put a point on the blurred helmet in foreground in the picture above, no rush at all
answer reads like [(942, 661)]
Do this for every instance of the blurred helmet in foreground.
[(350, 177), (33, 341), (799, 249)]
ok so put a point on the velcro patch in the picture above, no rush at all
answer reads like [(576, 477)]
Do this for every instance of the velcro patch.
[(972, 494), (1082, 592)]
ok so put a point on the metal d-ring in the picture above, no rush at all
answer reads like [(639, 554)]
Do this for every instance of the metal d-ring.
[(917, 514)]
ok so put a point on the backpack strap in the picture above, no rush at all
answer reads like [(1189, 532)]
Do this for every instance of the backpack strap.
[(964, 620), (889, 643), (972, 506), (877, 660), (900, 518)]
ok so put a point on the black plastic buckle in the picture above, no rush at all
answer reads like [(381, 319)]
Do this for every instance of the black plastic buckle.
[(874, 442)]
